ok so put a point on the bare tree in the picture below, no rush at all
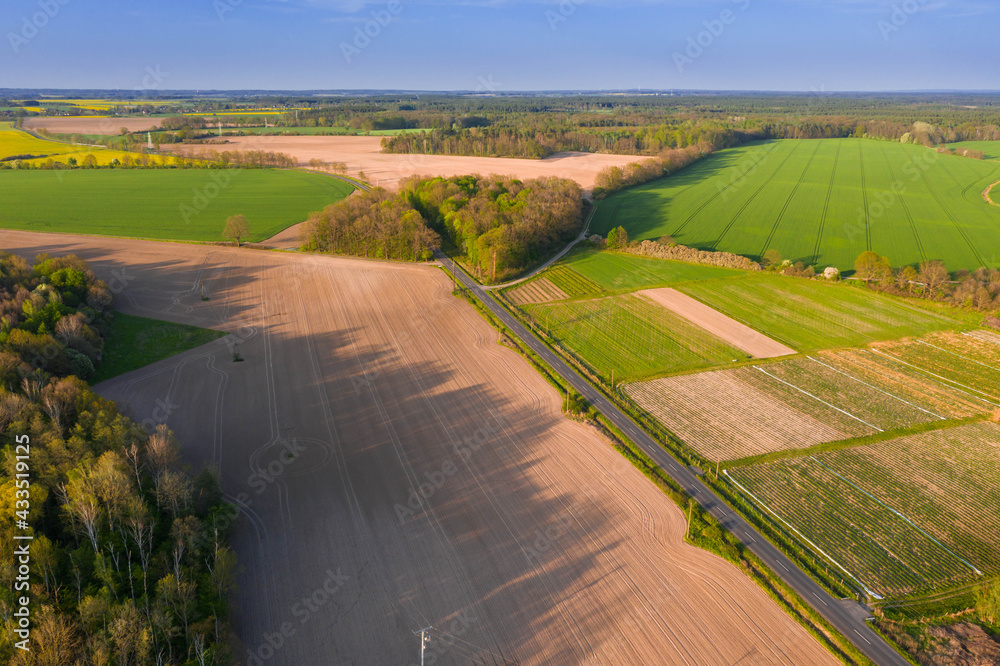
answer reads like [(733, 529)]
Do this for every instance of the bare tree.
[(237, 229)]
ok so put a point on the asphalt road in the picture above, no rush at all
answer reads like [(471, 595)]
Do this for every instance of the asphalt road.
[(837, 612)]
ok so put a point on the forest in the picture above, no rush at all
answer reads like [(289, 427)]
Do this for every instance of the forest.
[(128, 556), (500, 226)]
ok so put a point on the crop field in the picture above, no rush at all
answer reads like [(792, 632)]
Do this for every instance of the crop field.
[(822, 202), (617, 271), (15, 142), (729, 414), (809, 314), (806, 401), (963, 361), (539, 290), (174, 204), (631, 337), (902, 516)]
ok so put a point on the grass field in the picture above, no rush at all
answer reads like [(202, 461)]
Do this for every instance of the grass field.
[(991, 149), (615, 271), (810, 314), (823, 202), (135, 342), (170, 204), (631, 337), (901, 516)]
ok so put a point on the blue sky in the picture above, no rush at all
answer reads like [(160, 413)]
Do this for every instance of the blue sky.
[(505, 45)]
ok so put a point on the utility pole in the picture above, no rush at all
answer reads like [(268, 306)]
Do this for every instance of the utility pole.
[(494, 264), (424, 639)]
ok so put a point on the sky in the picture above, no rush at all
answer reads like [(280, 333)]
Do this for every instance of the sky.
[(501, 45)]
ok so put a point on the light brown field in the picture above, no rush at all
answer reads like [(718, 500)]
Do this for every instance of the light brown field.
[(85, 125), (536, 543), (725, 328), (363, 153)]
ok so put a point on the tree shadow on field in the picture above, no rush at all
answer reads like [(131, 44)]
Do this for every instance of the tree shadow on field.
[(430, 495)]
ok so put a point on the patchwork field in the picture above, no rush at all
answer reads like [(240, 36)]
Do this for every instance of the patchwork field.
[(901, 516), (14, 142), (91, 124), (382, 379), (174, 204), (630, 337), (809, 314), (824, 397), (822, 202)]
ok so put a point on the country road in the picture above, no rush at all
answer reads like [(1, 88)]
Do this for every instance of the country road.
[(847, 617)]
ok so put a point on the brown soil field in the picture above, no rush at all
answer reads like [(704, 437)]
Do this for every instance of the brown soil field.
[(85, 125), (363, 153), (396, 468), (725, 328)]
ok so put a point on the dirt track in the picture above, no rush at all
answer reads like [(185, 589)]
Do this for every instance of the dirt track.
[(362, 153), (364, 383)]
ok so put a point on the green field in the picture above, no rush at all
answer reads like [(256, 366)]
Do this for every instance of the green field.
[(615, 271), (631, 337), (810, 314), (168, 204), (991, 149), (902, 516), (135, 342), (822, 202)]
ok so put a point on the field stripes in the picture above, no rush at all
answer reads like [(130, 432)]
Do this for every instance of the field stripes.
[(907, 515), (966, 389), (895, 397), (802, 390), (751, 199), (572, 283), (826, 204), (822, 204), (788, 201), (914, 525), (984, 336)]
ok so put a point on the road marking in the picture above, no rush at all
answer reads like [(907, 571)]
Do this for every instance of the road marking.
[(821, 600), (862, 637), (782, 565)]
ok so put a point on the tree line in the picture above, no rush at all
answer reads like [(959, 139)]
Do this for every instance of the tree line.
[(129, 560)]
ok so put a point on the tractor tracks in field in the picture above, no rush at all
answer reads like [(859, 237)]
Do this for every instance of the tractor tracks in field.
[(751, 198), (788, 201), (732, 183), (864, 196), (826, 204), (955, 223), (906, 209)]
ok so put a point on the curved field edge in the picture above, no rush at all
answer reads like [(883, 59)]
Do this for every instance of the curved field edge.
[(163, 204), (135, 342), (718, 540)]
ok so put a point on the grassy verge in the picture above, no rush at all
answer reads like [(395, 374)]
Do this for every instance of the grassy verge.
[(135, 342), (704, 531), (852, 442)]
